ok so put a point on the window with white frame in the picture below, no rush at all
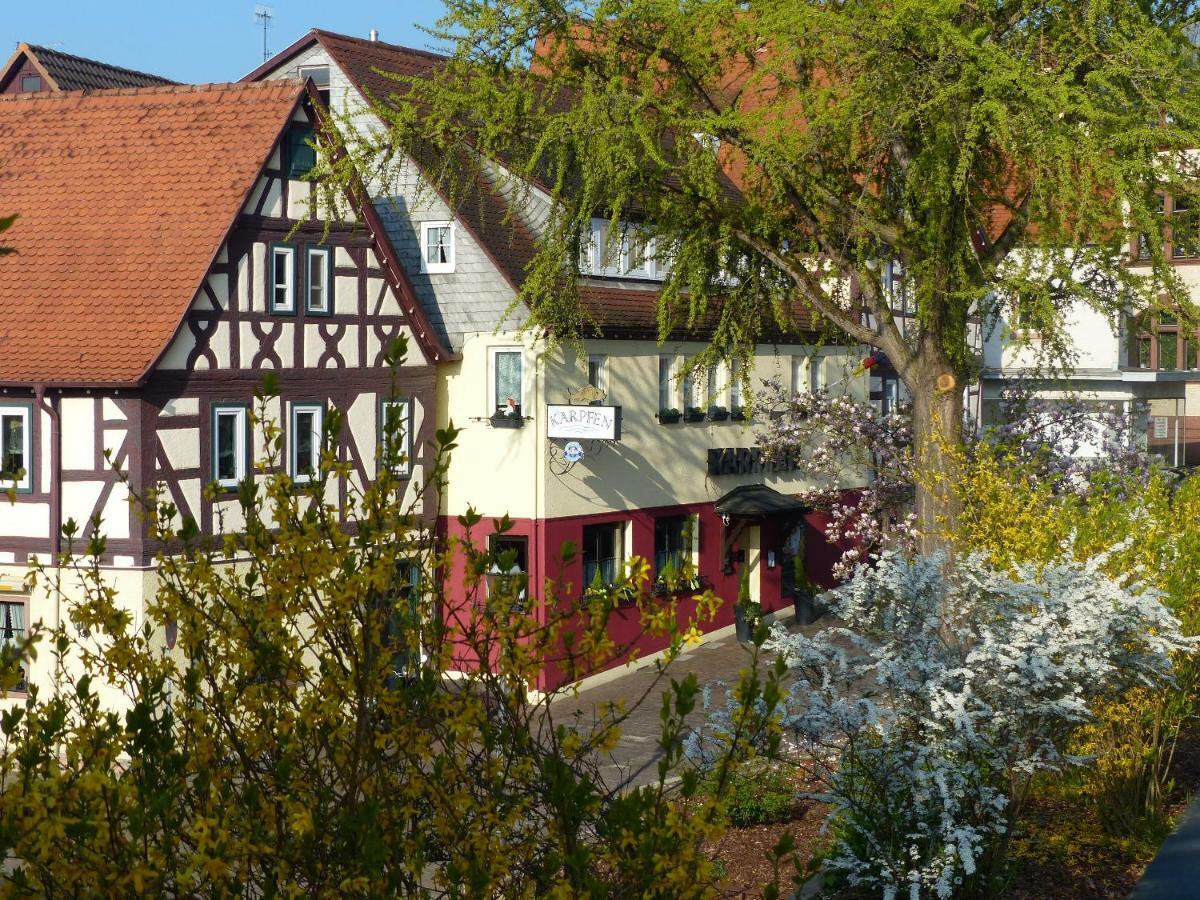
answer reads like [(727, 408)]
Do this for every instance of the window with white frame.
[(816, 373), (637, 256), (664, 384), (603, 549), (800, 375), (506, 379), (16, 447), (690, 394), (735, 384), (319, 287), (598, 371), (307, 422), (230, 443), (283, 278), (13, 629), (437, 246), (395, 435)]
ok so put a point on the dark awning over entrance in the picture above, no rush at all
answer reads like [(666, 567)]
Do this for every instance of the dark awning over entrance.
[(753, 501)]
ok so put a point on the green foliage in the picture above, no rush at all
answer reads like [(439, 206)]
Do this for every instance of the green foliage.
[(5, 224), (332, 722), (758, 793)]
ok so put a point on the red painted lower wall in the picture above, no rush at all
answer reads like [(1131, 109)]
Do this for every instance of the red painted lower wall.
[(548, 536)]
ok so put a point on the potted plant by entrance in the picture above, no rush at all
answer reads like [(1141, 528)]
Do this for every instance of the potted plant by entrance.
[(694, 414), (668, 416), (746, 613), (804, 594), (717, 414)]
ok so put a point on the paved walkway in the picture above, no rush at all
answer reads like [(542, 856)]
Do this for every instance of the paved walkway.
[(1175, 872), (634, 760)]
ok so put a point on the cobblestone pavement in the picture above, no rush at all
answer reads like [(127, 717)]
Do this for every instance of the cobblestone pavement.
[(634, 760)]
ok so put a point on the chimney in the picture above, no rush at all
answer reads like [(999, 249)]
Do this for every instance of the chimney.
[(374, 34)]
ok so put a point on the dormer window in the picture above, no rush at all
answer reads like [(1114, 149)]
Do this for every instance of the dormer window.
[(319, 75), (31, 83), (437, 247)]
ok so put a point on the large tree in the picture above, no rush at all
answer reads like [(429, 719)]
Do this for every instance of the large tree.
[(990, 150)]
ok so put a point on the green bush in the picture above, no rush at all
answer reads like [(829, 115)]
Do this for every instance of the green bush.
[(759, 795)]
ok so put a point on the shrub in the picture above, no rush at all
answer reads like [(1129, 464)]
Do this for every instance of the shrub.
[(759, 793), (949, 689)]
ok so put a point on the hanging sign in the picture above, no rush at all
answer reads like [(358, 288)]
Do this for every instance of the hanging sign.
[(585, 423), (573, 452)]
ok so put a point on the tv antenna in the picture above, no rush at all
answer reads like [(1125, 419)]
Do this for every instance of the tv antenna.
[(263, 15)]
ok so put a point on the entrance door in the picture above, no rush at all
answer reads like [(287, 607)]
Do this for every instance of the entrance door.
[(752, 542)]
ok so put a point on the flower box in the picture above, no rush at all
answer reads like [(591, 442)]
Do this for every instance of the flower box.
[(717, 414), (668, 416)]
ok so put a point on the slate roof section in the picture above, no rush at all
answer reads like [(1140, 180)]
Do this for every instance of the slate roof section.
[(123, 200), (75, 73)]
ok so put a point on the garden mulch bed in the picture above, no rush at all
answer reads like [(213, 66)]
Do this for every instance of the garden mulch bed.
[(1061, 851)]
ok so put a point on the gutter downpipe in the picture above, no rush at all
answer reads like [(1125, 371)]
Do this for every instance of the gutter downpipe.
[(50, 408)]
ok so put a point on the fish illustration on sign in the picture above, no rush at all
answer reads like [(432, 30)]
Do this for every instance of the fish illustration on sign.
[(589, 393)]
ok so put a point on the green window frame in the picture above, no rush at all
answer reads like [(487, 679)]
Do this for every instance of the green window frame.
[(395, 449), (281, 271), (318, 281), (230, 442), (306, 430), (301, 155)]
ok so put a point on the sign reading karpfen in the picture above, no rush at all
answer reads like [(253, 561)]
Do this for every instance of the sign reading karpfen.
[(595, 423)]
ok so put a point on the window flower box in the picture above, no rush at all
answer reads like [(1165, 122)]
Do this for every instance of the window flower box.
[(717, 414), (694, 414), (668, 416), (738, 414), (504, 420)]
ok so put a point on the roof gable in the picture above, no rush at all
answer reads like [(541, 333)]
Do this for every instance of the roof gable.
[(67, 72), (123, 200)]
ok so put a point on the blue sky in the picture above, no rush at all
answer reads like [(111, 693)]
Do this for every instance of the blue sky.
[(201, 40)]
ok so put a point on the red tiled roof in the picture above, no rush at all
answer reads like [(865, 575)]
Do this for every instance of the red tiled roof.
[(123, 200)]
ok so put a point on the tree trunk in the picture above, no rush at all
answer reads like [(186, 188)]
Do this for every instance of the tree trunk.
[(937, 423)]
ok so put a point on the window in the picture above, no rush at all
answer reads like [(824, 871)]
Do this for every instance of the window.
[(307, 423), (301, 153), (283, 278), (320, 280), (1143, 251), (664, 384), (672, 539), (598, 372), (799, 376), (395, 432), (690, 400), (1184, 232), (320, 79), (602, 546), (510, 565), (12, 630), (31, 83), (816, 377), (437, 246), (638, 255), (506, 382), (735, 384), (16, 447), (231, 444)]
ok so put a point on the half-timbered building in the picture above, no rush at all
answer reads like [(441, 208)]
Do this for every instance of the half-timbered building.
[(665, 468), (167, 260)]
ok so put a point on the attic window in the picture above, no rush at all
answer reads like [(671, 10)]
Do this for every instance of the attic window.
[(301, 156), (320, 79), (31, 83)]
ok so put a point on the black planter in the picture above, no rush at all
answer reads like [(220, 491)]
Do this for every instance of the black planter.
[(737, 414), (500, 420), (717, 414), (808, 610), (668, 418), (741, 626), (694, 415)]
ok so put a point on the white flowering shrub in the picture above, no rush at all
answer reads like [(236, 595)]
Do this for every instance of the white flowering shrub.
[(946, 690)]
